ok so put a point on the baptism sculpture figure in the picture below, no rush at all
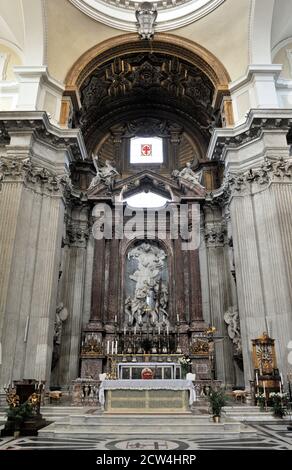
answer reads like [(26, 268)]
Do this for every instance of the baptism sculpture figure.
[(188, 175), (151, 294), (104, 174)]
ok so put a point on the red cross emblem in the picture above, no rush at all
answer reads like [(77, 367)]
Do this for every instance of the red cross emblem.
[(146, 150)]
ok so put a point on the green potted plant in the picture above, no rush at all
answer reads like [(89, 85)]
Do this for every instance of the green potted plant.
[(217, 400), (278, 404), (16, 415)]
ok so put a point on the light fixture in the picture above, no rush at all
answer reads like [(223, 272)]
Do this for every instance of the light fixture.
[(146, 16)]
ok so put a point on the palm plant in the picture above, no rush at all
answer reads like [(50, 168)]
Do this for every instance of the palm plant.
[(217, 400)]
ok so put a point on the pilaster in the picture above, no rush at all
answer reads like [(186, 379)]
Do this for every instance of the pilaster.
[(257, 189), (34, 190)]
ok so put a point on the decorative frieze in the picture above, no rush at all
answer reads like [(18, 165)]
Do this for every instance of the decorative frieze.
[(252, 181), (38, 179), (77, 233), (256, 179), (215, 235)]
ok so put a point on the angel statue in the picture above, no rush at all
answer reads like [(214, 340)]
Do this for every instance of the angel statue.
[(104, 174)]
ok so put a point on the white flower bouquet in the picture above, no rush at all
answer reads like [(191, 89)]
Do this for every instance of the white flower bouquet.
[(185, 363)]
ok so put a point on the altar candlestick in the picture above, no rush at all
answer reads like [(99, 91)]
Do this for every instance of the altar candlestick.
[(116, 348), (257, 379), (108, 347), (177, 317), (112, 347), (281, 383)]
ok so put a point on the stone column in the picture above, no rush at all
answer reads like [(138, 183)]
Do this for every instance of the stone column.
[(98, 281), (219, 292), (30, 286), (195, 286), (72, 296), (263, 255), (258, 185), (33, 194), (179, 291)]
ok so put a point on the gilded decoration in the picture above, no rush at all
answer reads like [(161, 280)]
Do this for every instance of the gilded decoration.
[(264, 357), (146, 81), (200, 347), (179, 47)]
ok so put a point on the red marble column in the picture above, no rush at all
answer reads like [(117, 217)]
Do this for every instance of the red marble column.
[(179, 291), (114, 273), (196, 313), (97, 298)]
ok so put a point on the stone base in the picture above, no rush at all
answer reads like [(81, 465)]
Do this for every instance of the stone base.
[(91, 426), (30, 427)]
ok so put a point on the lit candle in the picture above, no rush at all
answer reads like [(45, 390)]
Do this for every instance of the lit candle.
[(281, 383)]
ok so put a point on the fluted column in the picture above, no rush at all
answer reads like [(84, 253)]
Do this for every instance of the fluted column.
[(261, 216), (29, 299), (44, 291), (33, 191), (72, 295), (219, 293)]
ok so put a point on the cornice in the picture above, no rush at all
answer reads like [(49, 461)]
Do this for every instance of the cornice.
[(37, 122), (171, 15), (258, 121)]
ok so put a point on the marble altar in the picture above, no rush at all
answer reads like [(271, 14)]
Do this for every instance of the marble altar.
[(146, 396)]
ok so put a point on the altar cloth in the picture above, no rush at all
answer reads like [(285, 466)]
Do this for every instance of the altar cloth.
[(159, 384)]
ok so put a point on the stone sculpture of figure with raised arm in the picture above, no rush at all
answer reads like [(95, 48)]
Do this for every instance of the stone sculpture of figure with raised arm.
[(188, 175), (97, 179), (104, 174), (108, 173)]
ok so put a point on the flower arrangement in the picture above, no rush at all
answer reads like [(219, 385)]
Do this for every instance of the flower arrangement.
[(261, 400), (185, 363), (278, 404)]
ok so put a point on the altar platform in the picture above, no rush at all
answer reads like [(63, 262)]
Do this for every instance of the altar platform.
[(147, 396)]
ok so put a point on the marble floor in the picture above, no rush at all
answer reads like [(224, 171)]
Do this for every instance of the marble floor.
[(270, 436)]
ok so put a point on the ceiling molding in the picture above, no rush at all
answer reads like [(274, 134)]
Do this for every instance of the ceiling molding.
[(171, 15)]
